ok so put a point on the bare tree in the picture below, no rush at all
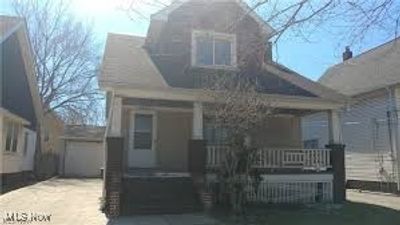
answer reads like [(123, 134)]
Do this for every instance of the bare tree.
[(66, 58), (239, 110), (355, 18)]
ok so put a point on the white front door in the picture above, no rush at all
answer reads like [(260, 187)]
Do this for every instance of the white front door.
[(142, 138)]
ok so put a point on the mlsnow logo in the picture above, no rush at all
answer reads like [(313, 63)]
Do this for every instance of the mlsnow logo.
[(24, 218)]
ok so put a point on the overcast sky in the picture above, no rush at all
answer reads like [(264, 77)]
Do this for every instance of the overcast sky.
[(310, 58)]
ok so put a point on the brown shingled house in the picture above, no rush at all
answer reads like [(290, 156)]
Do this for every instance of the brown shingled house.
[(158, 134)]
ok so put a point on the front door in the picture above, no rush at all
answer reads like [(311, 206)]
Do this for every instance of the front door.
[(142, 138)]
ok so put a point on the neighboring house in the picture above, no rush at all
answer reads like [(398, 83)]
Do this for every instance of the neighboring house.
[(83, 152), (20, 105), (370, 123), (160, 141)]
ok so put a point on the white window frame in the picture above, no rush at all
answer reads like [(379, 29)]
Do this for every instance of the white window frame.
[(14, 136), (132, 127), (214, 35)]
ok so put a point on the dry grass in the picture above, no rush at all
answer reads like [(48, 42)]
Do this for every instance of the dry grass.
[(350, 213)]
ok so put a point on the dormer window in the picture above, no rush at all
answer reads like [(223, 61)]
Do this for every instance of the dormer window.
[(210, 49)]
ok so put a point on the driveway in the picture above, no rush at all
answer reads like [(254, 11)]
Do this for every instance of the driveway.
[(77, 201), (68, 201)]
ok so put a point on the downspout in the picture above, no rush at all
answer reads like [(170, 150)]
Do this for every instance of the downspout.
[(393, 127), (106, 132), (64, 156), (396, 110)]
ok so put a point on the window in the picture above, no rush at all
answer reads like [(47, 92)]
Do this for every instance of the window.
[(12, 132), (26, 139), (311, 144), (143, 134), (215, 134), (213, 49)]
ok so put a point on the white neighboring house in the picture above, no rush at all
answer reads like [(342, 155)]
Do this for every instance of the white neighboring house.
[(370, 124), (20, 106), (83, 153)]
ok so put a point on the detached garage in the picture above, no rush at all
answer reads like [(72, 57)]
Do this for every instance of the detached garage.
[(83, 154)]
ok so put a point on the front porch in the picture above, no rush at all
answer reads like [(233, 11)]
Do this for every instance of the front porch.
[(164, 148)]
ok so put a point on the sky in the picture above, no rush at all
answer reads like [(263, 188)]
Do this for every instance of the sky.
[(309, 57)]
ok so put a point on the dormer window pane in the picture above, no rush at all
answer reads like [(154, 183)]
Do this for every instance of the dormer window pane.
[(204, 52), (222, 52), (213, 49)]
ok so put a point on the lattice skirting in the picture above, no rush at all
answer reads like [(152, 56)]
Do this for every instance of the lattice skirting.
[(292, 189)]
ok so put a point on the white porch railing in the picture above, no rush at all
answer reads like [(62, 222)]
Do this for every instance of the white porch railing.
[(307, 159), (295, 188)]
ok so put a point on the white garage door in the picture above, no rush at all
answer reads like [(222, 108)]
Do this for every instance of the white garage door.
[(83, 159)]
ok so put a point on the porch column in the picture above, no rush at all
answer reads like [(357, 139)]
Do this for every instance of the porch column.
[(113, 160), (337, 157), (197, 145), (116, 117), (334, 125), (197, 129)]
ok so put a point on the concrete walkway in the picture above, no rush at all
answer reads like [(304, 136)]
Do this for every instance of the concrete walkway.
[(375, 198), (185, 219)]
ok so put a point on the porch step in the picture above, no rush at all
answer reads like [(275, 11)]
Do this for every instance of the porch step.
[(159, 195)]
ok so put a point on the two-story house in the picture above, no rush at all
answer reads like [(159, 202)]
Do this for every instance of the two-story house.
[(160, 151), (370, 123)]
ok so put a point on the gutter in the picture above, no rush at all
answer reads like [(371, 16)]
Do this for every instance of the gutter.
[(91, 139)]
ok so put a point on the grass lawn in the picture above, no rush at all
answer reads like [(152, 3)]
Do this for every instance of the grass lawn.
[(349, 213)]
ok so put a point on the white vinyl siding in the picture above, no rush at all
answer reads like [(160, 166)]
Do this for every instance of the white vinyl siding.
[(367, 135)]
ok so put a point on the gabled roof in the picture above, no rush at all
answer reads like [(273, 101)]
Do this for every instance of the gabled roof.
[(303, 82), (17, 25), (372, 70), (126, 63), (164, 13)]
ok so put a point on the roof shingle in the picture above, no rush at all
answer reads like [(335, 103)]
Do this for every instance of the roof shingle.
[(374, 69)]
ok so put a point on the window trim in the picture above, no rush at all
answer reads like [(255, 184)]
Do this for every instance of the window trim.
[(14, 136), (132, 129), (215, 35)]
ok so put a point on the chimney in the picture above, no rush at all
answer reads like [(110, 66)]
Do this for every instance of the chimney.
[(347, 54), (268, 52)]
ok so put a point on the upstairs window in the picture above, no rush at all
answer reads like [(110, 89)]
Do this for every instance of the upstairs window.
[(213, 49)]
